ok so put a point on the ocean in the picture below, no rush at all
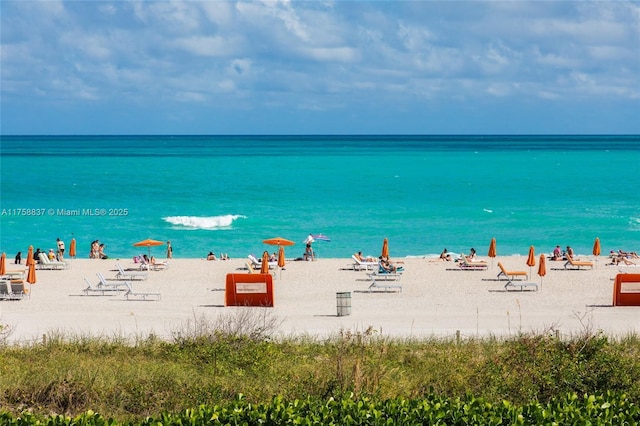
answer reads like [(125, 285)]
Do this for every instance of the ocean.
[(227, 194)]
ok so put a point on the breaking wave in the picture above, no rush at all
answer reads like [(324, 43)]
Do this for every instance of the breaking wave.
[(207, 222)]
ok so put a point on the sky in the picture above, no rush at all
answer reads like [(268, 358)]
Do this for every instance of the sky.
[(319, 67)]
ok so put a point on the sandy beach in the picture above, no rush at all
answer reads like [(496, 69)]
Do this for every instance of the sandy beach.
[(437, 299)]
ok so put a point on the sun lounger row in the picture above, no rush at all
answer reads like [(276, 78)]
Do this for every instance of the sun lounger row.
[(104, 287)]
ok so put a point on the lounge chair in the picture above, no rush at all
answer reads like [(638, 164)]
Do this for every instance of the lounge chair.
[(511, 275), (17, 289), (258, 263), (159, 265), (386, 274), (132, 275), (5, 294), (468, 265), (45, 263), (120, 285), (381, 277), (131, 294), (576, 264), (359, 265), (515, 284), (102, 289)]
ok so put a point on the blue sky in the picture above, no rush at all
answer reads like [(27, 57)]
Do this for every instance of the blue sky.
[(320, 67)]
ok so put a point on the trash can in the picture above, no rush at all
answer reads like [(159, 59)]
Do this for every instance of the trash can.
[(344, 303)]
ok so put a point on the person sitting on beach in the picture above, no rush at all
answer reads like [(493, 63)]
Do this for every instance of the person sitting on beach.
[(273, 257), (557, 254), (386, 266), (211, 256), (101, 254), (472, 255), (51, 255), (18, 258), (36, 255), (445, 256), (569, 254)]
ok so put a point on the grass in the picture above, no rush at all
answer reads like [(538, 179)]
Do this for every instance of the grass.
[(211, 362)]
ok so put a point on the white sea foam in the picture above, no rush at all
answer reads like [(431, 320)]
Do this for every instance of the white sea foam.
[(207, 222)]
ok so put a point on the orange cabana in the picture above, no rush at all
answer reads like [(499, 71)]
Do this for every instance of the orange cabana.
[(626, 290)]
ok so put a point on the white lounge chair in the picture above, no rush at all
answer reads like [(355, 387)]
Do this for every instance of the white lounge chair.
[(359, 265), (258, 263), (467, 265), (523, 285), (5, 294), (131, 294), (132, 275), (45, 263), (102, 289), (17, 289), (120, 285)]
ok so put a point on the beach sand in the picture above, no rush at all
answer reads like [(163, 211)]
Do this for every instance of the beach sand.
[(437, 300)]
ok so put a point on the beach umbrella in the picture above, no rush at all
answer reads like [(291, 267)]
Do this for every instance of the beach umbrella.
[(29, 256), (492, 250), (281, 261), (31, 275), (72, 248), (264, 265), (319, 237), (542, 268), (148, 243), (3, 266), (278, 241), (531, 260), (596, 248), (385, 248)]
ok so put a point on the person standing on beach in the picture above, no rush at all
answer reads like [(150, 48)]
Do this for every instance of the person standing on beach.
[(169, 250), (60, 256)]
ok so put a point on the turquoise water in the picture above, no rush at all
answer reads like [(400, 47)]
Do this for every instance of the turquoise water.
[(228, 193)]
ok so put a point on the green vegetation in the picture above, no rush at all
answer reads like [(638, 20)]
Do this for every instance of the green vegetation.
[(209, 365)]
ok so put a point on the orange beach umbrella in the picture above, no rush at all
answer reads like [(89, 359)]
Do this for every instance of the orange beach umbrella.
[(278, 241), (264, 265), (148, 243), (492, 250), (30, 256), (596, 248), (281, 261), (31, 275), (542, 268), (3, 267), (385, 248), (531, 260), (72, 248)]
